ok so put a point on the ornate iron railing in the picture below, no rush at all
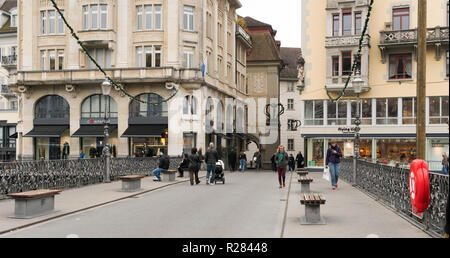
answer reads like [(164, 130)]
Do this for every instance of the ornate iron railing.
[(391, 186), (410, 36), (64, 174)]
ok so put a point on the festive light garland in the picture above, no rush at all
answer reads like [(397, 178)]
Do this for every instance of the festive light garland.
[(358, 56), (74, 35)]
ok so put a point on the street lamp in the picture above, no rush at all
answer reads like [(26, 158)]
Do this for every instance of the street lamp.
[(357, 87), (106, 90)]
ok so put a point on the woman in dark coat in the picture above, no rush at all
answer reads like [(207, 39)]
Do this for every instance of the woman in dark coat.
[(195, 162), (184, 165), (282, 161), (291, 163), (300, 160)]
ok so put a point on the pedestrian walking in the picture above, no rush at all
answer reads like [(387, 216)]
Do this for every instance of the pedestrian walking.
[(242, 161), (444, 163), (82, 155), (257, 159), (211, 157), (291, 163), (184, 165), (194, 166), (274, 163), (164, 164), (232, 160), (281, 159), (333, 162), (300, 160)]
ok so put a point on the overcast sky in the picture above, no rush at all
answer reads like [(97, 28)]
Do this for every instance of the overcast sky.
[(283, 15)]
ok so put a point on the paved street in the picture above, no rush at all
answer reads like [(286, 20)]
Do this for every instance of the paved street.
[(248, 205)]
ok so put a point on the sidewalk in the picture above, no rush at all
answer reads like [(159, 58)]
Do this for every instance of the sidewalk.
[(348, 212), (83, 198)]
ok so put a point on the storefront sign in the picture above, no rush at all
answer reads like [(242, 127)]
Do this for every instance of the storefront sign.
[(347, 130), (97, 121)]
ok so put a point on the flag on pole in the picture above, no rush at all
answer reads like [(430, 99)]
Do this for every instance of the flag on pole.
[(204, 66)]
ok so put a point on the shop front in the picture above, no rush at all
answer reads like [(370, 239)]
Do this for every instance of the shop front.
[(50, 133), (148, 126)]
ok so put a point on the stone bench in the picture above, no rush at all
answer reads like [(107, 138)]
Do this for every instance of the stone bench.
[(131, 183), (312, 204), (168, 175), (33, 204), (305, 183)]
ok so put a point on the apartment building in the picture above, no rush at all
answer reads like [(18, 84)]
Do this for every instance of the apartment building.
[(8, 65), (330, 37), (150, 48)]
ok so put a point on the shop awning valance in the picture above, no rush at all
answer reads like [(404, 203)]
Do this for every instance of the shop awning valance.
[(141, 131), (47, 131), (93, 131)]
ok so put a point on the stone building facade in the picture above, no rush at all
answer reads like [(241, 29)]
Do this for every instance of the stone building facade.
[(159, 48)]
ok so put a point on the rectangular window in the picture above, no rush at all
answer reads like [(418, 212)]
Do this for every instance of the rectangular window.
[(387, 111), (148, 56), (290, 104), (400, 66), (189, 18), (60, 23), (400, 19), (335, 61), (291, 145), (158, 54), (409, 111), (148, 17), (139, 17), (188, 59), (60, 59), (139, 56), (208, 25), (51, 22), (290, 87), (43, 60), (52, 59), (43, 22), (358, 24), (365, 111), (439, 110), (85, 17), (346, 63), (346, 22), (158, 17), (94, 16), (314, 112), (337, 113), (336, 25), (103, 16)]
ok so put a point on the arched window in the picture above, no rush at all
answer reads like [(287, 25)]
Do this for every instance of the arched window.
[(52, 106), (240, 120), (94, 107), (150, 108), (220, 116)]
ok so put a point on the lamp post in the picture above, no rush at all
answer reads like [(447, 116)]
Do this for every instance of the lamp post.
[(106, 89), (357, 87)]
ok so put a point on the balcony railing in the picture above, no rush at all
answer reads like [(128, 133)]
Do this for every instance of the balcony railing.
[(346, 41), (434, 35), (10, 60), (337, 83)]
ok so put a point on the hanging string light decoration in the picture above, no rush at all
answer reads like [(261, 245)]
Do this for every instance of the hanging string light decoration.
[(117, 86), (358, 56)]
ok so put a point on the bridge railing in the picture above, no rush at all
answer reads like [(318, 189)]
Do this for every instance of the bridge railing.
[(391, 186), (64, 174)]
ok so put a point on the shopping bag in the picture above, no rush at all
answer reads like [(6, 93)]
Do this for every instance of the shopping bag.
[(326, 174)]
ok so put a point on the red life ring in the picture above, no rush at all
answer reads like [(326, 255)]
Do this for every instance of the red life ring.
[(419, 185)]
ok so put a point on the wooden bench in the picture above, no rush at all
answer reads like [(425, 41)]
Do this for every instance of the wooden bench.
[(33, 204), (168, 175), (302, 171), (312, 202), (131, 183), (305, 182)]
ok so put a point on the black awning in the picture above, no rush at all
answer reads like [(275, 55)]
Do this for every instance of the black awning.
[(47, 131), (13, 136), (142, 131), (93, 131)]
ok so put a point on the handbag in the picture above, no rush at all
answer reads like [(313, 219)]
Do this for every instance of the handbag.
[(326, 174)]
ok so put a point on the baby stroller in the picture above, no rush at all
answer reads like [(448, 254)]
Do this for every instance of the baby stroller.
[(220, 175)]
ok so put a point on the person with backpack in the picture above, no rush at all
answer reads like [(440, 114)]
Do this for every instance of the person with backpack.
[(194, 166), (281, 159)]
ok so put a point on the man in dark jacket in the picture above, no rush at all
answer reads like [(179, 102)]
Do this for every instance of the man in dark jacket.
[(164, 164), (211, 157), (300, 160), (232, 160), (257, 159), (333, 161)]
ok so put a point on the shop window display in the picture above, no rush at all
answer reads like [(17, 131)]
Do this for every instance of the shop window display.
[(396, 151)]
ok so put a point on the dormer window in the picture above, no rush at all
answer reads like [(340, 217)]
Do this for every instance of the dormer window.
[(13, 18)]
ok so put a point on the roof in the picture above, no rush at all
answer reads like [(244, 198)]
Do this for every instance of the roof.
[(291, 58), (6, 7), (7, 28), (251, 22), (265, 46)]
